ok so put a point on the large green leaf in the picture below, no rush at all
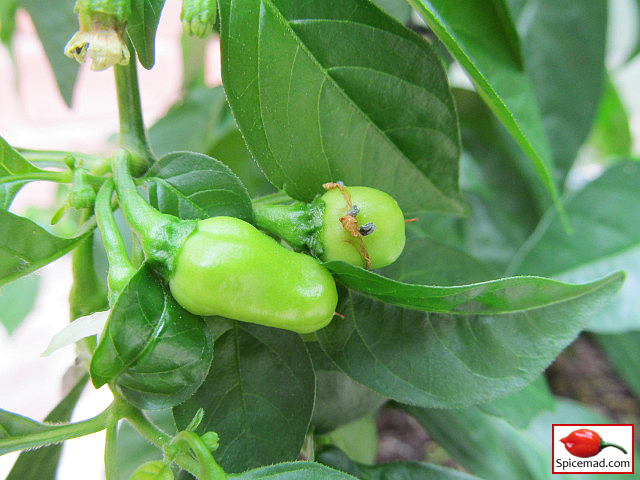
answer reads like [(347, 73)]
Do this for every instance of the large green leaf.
[(258, 396), (337, 90), (622, 351), (42, 464), (16, 300), (152, 350), (335, 458), (521, 407), (481, 36), (11, 163), (202, 122), (293, 471), (449, 361), (195, 186), (492, 448), (25, 246), (562, 41), (605, 220), (194, 124), (501, 296), (502, 198), (142, 26), (55, 23)]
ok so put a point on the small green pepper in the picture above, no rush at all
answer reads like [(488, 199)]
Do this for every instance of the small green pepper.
[(225, 266), (359, 225), (228, 267)]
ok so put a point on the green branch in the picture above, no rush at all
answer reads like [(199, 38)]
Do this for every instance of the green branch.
[(56, 433), (133, 135)]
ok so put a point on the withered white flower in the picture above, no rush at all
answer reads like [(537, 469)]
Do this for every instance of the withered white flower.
[(104, 46)]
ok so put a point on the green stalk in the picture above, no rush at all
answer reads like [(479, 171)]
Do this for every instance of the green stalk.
[(120, 268), (161, 235), (157, 437), (56, 158), (133, 135), (110, 449), (209, 468), (56, 433), (297, 223), (58, 177)]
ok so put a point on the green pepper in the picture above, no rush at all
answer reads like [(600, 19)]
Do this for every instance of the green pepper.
[(225, 266), (358, 225)]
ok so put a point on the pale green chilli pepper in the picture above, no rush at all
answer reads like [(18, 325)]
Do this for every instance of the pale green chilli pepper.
[(384, 245), (229, 268)]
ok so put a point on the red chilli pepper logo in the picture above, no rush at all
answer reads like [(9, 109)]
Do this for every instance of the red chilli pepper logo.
[(585, 443)]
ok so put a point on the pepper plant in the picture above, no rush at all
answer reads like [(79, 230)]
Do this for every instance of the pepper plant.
[(334, 230)]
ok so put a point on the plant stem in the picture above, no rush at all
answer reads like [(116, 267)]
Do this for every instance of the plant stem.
[(133, 135), (209, 468), (161, 235), (110, 451), (157, 437), (58, 177), (56, 433), (56, 158), (120, 268)]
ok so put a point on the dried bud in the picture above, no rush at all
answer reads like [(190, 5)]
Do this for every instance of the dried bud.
[(105, 47)]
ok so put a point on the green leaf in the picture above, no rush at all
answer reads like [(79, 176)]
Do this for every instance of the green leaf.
[(337, 459), (42, 464), (564, 40), (492, 448), (195, 123), (261, 387), (7, 20), (25, 246), (16, 301), (202, 122), (154, 352), (293, 471), (501, 296), (450, 361), (605, 220), (55, 23), (412, 471), (323, 94), (622, 352), (481, 36), (439, 264), (88, 293), (503, 200), (195, 186), (339, 399), (359, 439), (142, 26), (11, 163), (522, 406), (611, 134), (398, 9)]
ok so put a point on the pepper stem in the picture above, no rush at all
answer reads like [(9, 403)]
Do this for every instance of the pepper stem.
[(133, 135), (161, 235), (120, 268), (289, 222), (604, 444)]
